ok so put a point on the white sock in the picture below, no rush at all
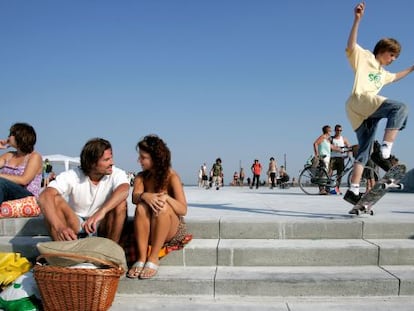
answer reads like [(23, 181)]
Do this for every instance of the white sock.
[(354, 188), (386, 149)]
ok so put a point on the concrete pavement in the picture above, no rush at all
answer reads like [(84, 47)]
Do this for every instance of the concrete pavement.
[(132, 303), (393, 219), (289, 204), (271, 249)]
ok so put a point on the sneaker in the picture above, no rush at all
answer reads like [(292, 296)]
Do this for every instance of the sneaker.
[(385, 164), (351, 197), (394, 160)]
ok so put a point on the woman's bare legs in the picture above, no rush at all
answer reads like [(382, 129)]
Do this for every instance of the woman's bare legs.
[(164, 226), (142, 225), (141, 233)]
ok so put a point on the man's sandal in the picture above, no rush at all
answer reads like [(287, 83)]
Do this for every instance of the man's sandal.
[(149, 271), (135, 270)]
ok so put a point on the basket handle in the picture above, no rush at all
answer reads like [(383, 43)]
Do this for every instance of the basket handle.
[(79, 256)]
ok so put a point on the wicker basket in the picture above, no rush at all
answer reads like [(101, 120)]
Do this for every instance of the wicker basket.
[(63, 288)]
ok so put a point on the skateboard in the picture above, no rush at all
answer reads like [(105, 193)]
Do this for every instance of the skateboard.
[(391, 180)]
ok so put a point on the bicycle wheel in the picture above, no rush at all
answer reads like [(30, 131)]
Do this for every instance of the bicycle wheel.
[(311, 179), (369, 175)]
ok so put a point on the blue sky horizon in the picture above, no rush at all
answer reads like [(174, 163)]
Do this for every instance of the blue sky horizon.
[(235, 79)]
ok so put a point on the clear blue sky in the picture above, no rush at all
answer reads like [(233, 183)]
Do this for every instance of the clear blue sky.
[(236, 79)]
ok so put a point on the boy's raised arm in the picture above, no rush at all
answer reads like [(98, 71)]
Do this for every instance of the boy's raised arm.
[(352, 39)]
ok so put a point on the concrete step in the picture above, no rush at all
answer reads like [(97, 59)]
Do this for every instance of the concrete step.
[(259, 257), (224, 281), (25, 245), (227, 227), (125, 302), (265, 252)]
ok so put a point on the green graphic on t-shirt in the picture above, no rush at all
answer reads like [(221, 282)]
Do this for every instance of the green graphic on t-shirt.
[(376, 78)]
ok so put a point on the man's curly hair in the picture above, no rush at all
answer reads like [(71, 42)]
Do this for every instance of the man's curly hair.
[(161, 158)]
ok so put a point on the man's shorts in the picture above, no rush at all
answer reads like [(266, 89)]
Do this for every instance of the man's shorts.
[(82, 233), (337, 164)]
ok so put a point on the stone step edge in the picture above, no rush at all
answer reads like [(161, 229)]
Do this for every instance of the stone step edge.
[(237, 252), (155, 302), (275, 281), (248, 228)]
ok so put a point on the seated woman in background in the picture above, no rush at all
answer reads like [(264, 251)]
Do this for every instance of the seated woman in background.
[(20, 170), (160, 206), (283, 175)]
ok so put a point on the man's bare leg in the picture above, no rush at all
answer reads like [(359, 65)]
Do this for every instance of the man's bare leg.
[(111, 227), (58, 216)]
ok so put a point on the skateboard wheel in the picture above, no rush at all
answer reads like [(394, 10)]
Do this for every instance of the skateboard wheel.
[(371, 212), (354, 211)]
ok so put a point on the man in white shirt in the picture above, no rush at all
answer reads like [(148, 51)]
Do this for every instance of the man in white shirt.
[(79, 200), (337, 161)]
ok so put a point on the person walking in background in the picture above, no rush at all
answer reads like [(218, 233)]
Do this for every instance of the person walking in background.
[(365, 108), (200, 177), (256, 170), (47, 169), (217, 174), (161, 204), (21, 169), (241, 176), (87, 200), (337, 162), (272, 171), (204, 176)]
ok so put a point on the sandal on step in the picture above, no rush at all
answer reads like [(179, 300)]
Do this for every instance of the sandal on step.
[(135, 270), (149, 271)]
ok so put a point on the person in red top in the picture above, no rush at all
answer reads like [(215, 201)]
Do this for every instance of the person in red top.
[(256, 170)]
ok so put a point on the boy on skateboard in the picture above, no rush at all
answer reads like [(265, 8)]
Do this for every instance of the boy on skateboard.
[(365, 108)]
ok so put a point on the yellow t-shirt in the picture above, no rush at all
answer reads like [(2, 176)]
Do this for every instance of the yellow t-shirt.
[(370, 77)]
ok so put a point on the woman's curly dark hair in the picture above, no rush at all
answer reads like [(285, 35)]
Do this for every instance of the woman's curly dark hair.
[(161, 159)]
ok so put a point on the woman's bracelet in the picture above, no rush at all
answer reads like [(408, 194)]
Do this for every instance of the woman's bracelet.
[(140, 197)]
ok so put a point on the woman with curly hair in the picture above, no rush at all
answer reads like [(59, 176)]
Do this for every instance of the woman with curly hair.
[(160, 206)]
